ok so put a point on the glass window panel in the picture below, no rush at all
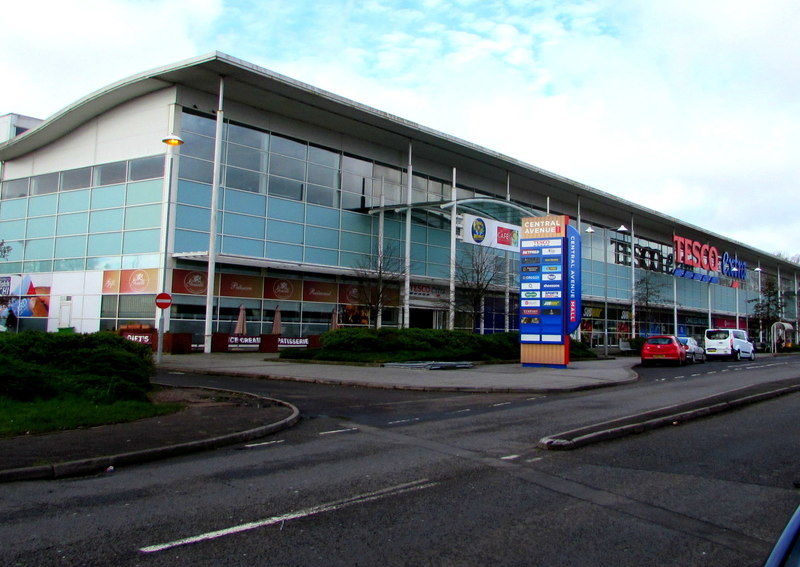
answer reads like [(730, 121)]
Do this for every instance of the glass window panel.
[(287, 147), (357, 222), (357, 184), (356, 242), (281, 187), (392, 194), (15, 209), (142, 217), (358, 166), (74, 201), (242, 246), (242, 202), (75, 223), (245, 180), (242, 225), (248, 158), (285, 232), (320, 256), (389, 174), (200, 124), (37, 228), (194, 193), (110, 173), (104, 262), (321, 195), (136, 306), (76, 178), (70, 247), (196, 170), (15, 188), (247, 136), (39, 249), (324, 157), (43, 184), (285, 252), (189, 241), (109, 243), (322, 237), (70, 265), (287, 167), (321, 216), (286, 210), (146, 168), (140, 241), (145, 192), (353, 201), (107, 197), (323, 176), (197, 146), (193, 218)]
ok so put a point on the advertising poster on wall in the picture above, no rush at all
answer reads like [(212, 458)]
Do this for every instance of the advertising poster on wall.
[(484, 231)]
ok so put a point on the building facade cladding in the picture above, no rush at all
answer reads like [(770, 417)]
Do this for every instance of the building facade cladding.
[(295, 232)]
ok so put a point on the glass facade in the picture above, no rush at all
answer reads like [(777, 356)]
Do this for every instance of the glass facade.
[(291, 201)]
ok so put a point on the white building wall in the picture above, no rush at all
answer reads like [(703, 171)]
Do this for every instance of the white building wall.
[(133, 129)]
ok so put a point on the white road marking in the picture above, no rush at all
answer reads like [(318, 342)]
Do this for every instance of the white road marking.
[(509, 457), (252, 445), (329, 507), (501, 404), (339, 431), (462, 411), (409, 420)]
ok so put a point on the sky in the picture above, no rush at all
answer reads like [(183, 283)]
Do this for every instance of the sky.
[(687, 107)]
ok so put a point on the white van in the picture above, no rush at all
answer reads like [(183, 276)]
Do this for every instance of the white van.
[(729, 342)]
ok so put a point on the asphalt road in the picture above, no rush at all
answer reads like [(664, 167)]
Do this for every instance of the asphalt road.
[(410, 478)]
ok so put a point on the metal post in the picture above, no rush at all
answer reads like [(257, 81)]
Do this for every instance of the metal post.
[(212, 229), (451, 304), (407, 286)]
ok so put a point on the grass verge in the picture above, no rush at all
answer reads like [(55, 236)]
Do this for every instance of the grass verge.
[(21, 418)]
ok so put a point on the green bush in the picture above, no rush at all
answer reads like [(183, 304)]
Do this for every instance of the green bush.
[(101, 367), (578, 350), (398, 345)]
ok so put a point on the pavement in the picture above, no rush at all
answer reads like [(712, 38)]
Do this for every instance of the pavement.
[(215, 418)]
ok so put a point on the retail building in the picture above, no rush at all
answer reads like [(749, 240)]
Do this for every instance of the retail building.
[(290, 198)]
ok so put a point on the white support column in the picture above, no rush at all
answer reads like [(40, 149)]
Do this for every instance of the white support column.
[(507, 318), (451, 303), (381, 258), (407, 286), (212, 228), (633, 279)]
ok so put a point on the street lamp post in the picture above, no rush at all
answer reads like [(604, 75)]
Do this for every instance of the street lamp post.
[(760, 316), (172, 141), (590, 231)]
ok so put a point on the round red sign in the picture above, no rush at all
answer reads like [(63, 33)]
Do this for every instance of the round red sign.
[(163, 300)]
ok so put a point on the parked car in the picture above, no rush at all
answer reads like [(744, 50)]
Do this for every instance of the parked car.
[(694, 352), (663, 348), (732, 343)]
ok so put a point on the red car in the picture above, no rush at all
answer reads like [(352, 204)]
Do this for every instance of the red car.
[(663, 348)]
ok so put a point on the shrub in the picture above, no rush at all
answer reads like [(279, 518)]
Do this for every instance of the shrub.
[(101, 367)]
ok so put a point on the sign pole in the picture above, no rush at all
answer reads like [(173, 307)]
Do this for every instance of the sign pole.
[(163, 301)]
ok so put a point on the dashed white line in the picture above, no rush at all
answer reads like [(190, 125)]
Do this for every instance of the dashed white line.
[(501, 404), (462, 411), (253, 445), (509, 457), (328, 507), (335, 431), (409, 420)]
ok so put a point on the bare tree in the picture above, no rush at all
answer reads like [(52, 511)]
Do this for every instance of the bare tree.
[(379, 278), (478, 270), (648, 296)]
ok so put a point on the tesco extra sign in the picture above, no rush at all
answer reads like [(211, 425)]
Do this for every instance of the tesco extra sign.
[(693, 253)]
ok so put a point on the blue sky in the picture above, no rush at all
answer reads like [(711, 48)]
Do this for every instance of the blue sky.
[(689, 107)]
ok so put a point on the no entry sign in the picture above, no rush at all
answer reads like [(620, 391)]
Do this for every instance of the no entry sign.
[(163, 300)]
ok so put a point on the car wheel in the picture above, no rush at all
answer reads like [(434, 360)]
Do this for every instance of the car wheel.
[(753, 354), (737, 355), (691, 360), (704, 358)]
